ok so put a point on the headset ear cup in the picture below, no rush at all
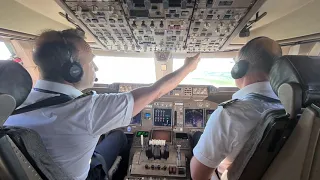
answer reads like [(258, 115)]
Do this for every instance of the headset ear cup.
[(72, 72), (240, 69)]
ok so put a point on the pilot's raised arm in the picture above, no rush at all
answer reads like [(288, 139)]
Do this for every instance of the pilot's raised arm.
[(229, 127), (144, 96), (70, 131)]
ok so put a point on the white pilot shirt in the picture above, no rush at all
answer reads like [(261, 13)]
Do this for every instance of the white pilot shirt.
[(70, 131), (229, 128)]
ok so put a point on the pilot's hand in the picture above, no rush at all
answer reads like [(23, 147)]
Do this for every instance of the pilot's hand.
[(192, 62)]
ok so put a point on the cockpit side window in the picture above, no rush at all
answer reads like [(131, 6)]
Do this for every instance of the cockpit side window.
[(5, 52)]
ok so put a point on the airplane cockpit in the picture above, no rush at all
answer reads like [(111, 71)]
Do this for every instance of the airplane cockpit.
[(137, 42)]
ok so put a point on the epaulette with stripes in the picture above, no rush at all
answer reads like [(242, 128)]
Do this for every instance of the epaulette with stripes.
[(227, 103), (89, 93)]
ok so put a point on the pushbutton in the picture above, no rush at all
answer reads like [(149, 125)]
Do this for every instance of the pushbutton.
[(181, 171)]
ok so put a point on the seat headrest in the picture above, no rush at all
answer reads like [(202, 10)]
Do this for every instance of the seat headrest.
[(15, 81), (303, 71)]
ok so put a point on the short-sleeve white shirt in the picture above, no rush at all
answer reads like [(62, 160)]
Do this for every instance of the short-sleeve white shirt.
[(229, 128), (71, 131)]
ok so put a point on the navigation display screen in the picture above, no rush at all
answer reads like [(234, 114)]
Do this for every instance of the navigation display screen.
[(161, 135), (194, 118), (208, 114), (136, 120), (162, 117)]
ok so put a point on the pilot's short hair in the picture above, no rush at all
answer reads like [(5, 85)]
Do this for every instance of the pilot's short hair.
[(261, 53), (53, 48)]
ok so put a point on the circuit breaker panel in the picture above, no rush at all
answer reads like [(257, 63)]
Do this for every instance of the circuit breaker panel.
[(161, 25)]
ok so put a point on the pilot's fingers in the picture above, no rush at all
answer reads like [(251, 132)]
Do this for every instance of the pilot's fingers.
[(197, 56)]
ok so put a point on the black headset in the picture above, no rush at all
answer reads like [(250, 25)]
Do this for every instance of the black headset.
[(240, 69), (71, 69)]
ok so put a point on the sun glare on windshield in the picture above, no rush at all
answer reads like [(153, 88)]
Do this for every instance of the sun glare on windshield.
[(210, 71), (125, 70)]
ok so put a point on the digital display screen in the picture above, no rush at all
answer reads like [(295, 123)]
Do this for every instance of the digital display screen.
[(136, 120), (208, 114), (147, 115), (162, 117), (194, 118), (143, 133), (161, 135)]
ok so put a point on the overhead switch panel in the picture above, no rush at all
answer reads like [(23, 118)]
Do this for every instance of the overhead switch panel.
[(161, 25)]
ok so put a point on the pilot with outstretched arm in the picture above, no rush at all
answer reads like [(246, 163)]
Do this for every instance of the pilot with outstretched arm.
[(70, 131), (229, 127)]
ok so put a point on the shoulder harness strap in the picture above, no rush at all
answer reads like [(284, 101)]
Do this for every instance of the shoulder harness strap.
[(252, 96), (42, 104), (263, 98), (49, 102)]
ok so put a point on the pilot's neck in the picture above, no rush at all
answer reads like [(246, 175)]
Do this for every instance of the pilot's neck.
[(251, 79)]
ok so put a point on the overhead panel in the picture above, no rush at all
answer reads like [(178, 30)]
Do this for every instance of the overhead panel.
[(161, 25)]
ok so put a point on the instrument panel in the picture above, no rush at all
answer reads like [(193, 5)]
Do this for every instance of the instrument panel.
[(161, 133), (194, 118), (184, 109), (162, 117), (185, 116), (160, 25)]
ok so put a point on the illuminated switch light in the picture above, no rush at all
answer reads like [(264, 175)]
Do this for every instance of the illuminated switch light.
[(163, 67)]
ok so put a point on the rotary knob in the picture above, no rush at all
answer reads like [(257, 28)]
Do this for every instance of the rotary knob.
[(152, 167), (146, 166)]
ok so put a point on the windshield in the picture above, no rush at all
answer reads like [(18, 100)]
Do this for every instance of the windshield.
[(210, 71), (125, 70)]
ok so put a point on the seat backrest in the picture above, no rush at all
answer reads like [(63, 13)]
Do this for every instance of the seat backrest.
[(296, 79), (288, 147), (262, 146), (22, 154), (7, 104), (15, 85)]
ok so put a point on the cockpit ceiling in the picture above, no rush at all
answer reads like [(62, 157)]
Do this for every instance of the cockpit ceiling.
[(286, 19), (163, 25)]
